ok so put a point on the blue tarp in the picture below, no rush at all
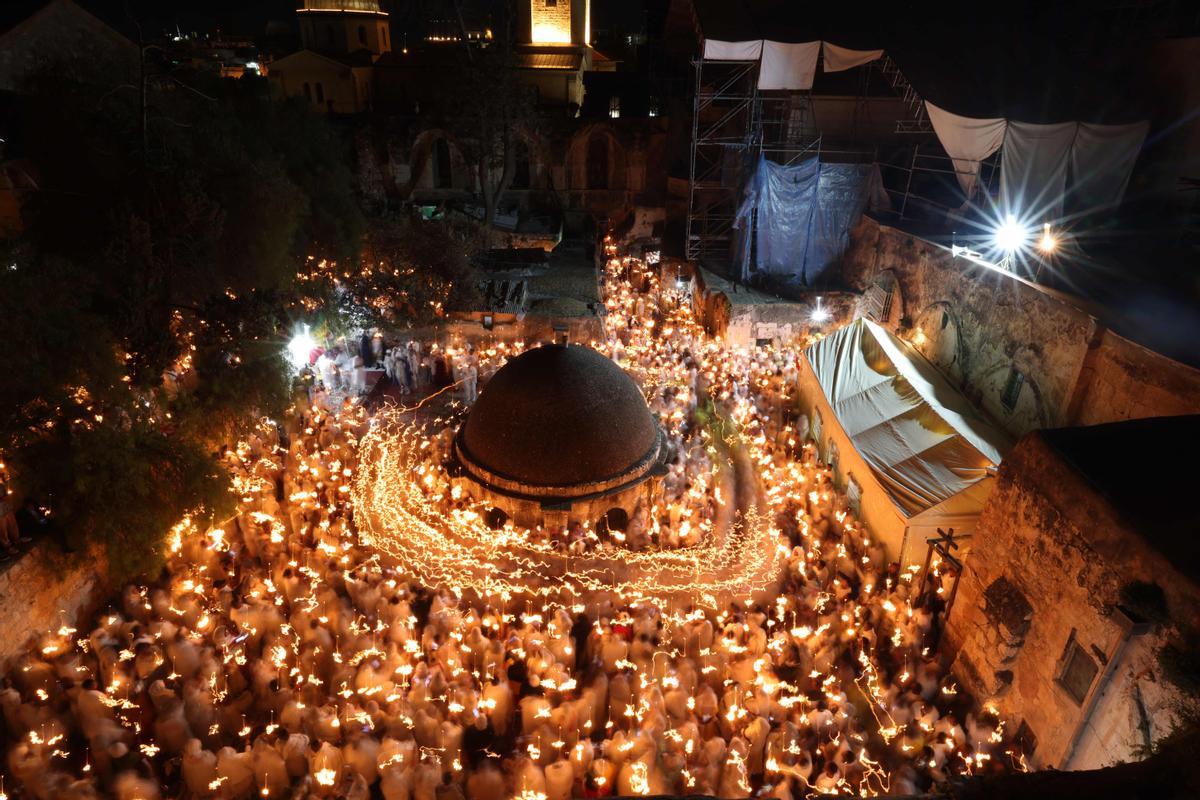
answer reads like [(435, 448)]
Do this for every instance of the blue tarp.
[(804, 216)]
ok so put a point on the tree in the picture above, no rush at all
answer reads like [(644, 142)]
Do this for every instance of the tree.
[(411, 270), (490, 112), (148, 303)]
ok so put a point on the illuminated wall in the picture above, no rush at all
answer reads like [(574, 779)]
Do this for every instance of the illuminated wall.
[(551, 21)]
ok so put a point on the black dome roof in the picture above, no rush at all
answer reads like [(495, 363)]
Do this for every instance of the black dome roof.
[(559, 415)]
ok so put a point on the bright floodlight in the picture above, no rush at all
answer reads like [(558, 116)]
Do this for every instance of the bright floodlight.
[(299, 348), (1010, 235), (819, 314), (1049, 242)]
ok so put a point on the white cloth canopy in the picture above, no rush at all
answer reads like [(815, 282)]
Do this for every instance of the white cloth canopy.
[(839, 59), (787, 65), (921, 439), (718, 50), (1033, 175), (967, 141), (1102, 160)]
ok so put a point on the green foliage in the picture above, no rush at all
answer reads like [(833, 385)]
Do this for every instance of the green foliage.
[(411, 271), (149, 302)]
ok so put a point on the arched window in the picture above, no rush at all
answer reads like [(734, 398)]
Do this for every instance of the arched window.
[(320, 92), (522, 177), (443, 170), (362, 35), (597, 163), (307, 92)]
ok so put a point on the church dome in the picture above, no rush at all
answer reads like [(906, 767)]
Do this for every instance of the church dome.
[(560, 420)]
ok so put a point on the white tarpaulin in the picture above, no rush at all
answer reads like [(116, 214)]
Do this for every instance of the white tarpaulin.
[(921, 439), (1033, 174), (839, 59), (967, 141), (733, 51), (1102, 159), (788, 65)]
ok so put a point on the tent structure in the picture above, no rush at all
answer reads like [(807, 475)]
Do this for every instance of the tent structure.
[(910, 450)]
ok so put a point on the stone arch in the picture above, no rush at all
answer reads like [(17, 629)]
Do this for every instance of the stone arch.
[(1030, 402), (590, 141), (523, 174), (944, 344), (422, 158), (442, 164)]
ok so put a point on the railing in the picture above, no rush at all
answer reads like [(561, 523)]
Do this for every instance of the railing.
[(371, 6), (919, 121)]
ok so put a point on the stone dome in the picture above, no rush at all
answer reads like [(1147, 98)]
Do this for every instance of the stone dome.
[(560, 420)]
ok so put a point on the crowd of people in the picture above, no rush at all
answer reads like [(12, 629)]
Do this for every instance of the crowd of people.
[(280, 657)]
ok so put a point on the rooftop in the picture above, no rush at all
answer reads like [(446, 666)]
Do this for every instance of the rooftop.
[(559, 415)]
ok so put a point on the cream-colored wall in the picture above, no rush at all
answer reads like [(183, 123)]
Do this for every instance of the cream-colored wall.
[(346, 90), (878, 513)]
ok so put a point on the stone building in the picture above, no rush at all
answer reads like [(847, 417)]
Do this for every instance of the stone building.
[(334, 72), (1029, 356), (574, 173), (561, 435), (1084, 566)]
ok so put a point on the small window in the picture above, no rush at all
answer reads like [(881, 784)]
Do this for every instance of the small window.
[(854, 495), (384, 33), (320, 93), (945, 320), (1078, 671), (307, 92), (1012, 389), (614, 106), (551, 3), (362, 35)]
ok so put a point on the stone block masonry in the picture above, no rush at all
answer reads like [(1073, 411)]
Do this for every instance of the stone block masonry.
[(38, 594)]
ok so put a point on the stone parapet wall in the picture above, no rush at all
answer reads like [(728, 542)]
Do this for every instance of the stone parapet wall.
[(1046, 570), (979, 324)]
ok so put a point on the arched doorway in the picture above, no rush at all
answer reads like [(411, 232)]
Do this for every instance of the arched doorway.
[(615, 519), (496, 518), (522, 177), (597, 162), (443, 169)]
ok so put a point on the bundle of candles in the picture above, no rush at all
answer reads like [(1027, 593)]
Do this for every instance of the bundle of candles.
[(716, 647)]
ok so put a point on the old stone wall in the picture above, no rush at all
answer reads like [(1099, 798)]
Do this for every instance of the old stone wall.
[(1028, 356), (1045, 574), (1123, 380), (39, 594)]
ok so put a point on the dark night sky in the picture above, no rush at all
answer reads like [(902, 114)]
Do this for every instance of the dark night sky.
[(1035, 60)]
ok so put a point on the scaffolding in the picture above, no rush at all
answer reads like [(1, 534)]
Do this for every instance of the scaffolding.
[(733, 123)]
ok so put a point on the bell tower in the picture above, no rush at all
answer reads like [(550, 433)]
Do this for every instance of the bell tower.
[(560, 22)]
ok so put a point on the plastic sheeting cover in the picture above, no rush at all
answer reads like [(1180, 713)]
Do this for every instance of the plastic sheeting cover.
[(1033, 174), (787, 65), (805, 213), (838, 59), (922, 439), (967, 141)]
